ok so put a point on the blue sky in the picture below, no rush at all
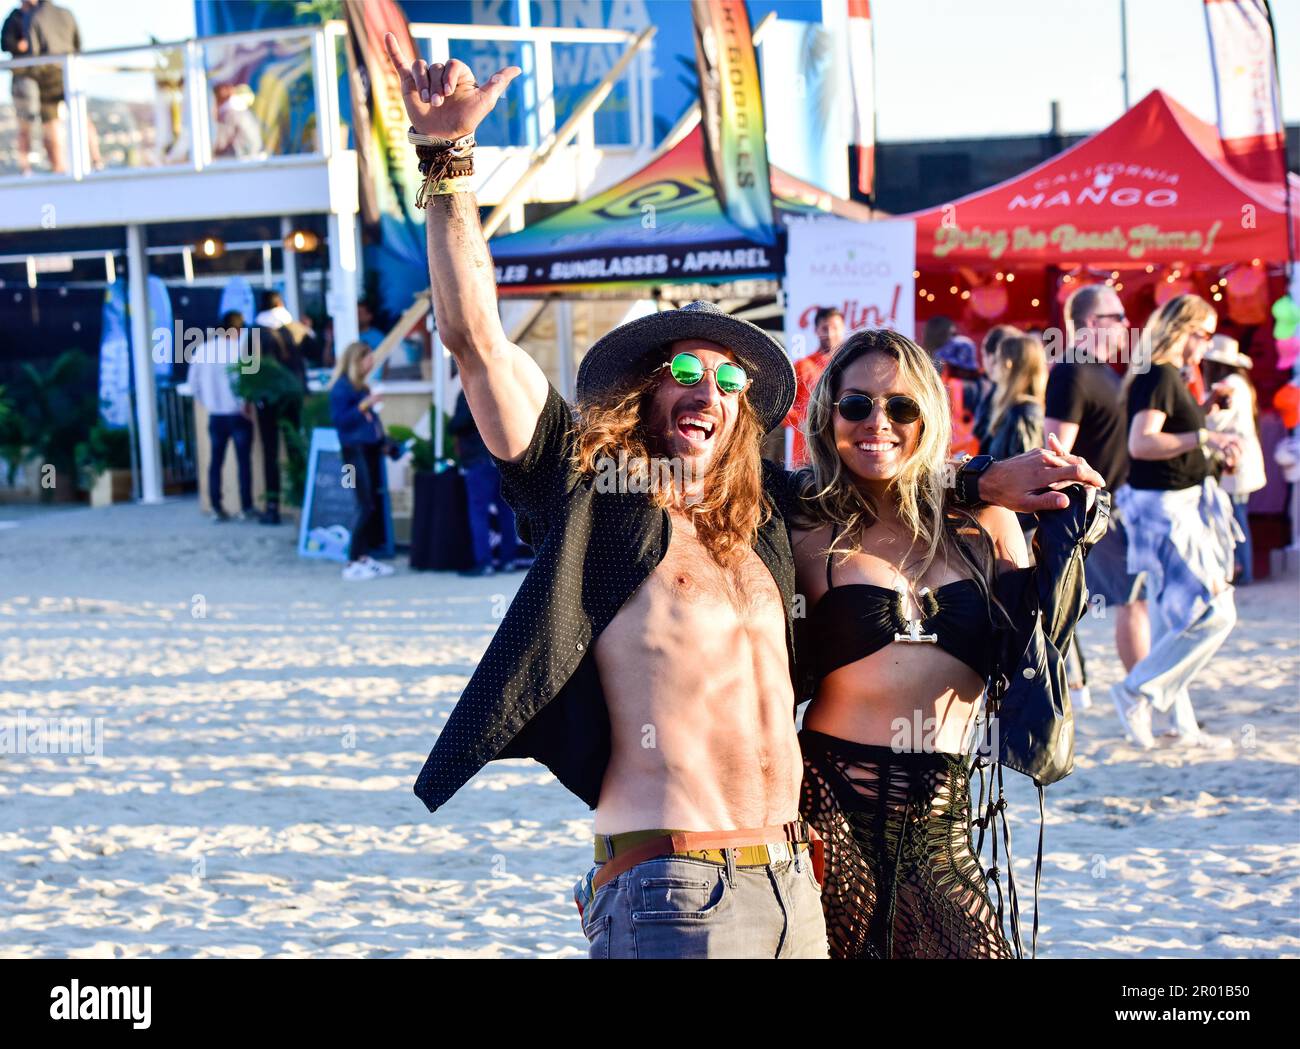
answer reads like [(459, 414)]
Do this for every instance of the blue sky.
[(950, 68)]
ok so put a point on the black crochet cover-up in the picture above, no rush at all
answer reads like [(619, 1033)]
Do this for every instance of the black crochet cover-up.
[(901, 877)]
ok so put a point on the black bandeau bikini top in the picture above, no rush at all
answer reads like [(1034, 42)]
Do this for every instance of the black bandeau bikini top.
[(855, 620)]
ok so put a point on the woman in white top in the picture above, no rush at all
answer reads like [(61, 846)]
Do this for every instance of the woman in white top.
[(1225, 363)]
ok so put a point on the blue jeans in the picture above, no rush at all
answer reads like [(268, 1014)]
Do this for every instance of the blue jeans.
[(680, 907), (222, 430), (1244, 552), (482, 492)]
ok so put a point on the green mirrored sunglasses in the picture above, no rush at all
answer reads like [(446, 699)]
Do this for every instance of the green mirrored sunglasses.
[(688, 369)]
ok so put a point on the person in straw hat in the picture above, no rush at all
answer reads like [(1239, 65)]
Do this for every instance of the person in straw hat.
[(1224, 366), (647, 656)]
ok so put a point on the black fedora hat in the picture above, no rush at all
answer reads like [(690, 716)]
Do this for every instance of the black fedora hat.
[(626, 354)]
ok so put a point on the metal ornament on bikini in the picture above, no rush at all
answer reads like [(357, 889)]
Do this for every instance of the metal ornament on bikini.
[(913, 634)]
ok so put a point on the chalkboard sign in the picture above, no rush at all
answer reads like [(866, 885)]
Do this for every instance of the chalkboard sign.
[(329, 508)]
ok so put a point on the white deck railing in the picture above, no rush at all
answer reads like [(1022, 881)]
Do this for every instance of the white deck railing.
[(156, 107)]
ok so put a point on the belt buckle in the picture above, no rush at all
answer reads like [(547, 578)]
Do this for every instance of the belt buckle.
[(779, 852)]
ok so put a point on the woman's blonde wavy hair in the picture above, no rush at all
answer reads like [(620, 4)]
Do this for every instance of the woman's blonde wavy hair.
[(349, 364), (923, 488), (732, 506), (1165, 336)]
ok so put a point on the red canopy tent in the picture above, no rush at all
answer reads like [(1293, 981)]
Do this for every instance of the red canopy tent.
[(1149, 204), (1154, 187)]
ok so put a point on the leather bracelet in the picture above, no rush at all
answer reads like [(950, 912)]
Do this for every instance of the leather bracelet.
[(449, 166)]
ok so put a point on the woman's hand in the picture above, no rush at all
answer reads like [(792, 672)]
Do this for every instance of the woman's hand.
[(1226, 444), (443, 101)]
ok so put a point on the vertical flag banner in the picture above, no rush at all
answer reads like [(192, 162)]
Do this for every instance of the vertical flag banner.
[(115, 359), (731, 114), (1245, 87), (388, 176), (862, 80), (807, 104)]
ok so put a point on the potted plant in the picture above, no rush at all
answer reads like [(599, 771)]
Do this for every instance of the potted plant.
[(297, 449), (54, 410), (104, 462)]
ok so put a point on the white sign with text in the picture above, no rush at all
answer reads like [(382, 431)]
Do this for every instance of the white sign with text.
[(863, 268)]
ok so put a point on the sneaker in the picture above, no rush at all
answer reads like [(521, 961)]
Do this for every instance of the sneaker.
[(474, 573), (519, 564), (245, 516), (1080, 697), (221, 517), (1135, 715), (270, 516), (1201, 738), (358, 571), (378, 567)]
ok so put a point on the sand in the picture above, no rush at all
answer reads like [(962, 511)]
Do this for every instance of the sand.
[(263, 723)]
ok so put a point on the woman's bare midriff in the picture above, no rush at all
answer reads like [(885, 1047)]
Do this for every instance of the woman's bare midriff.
[(906, 696)]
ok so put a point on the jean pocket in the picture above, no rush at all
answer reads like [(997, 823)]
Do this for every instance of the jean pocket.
[(681, 893), (811, 871), (598, 937)]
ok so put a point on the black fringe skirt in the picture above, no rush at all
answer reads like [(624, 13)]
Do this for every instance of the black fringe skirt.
[(901, 877)]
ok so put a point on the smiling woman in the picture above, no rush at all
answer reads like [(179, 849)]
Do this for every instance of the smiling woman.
[(916, 607)]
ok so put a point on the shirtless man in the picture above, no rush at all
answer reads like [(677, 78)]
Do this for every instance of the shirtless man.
[(647, 657)]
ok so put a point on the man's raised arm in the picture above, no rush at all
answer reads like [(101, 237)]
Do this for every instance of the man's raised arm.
[(505, 388)]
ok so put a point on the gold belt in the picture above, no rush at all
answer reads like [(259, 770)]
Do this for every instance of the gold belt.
[(610, 846)]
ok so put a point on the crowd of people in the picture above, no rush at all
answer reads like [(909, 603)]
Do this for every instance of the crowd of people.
[(1175, 436), (354, 409), (914, 576), (290, 343)]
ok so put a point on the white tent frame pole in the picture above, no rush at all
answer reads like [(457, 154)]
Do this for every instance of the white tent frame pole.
[(564, 345), (289, 266), (146, 403)]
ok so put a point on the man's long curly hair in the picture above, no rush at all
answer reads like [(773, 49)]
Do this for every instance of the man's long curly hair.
[(731, 507)]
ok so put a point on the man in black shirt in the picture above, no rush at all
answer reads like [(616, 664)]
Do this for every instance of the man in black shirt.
[(647, 658), (1083, 411)]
